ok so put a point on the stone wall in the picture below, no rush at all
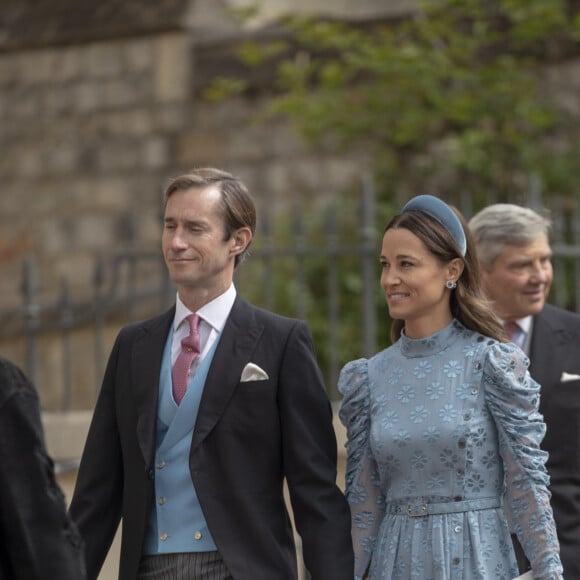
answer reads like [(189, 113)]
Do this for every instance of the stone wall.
[(99, 107), (87, 137), (90, 131)]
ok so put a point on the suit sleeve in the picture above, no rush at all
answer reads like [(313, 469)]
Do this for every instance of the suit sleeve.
[(97, 499), (37, 540), (320, 509)]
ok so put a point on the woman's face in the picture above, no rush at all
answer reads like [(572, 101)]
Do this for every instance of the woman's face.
[(413, 281)]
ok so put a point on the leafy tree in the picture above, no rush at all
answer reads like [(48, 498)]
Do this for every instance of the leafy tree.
[(451, 99)]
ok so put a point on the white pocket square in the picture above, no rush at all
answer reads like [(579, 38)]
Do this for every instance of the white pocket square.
[(566, 377), (253, 372)]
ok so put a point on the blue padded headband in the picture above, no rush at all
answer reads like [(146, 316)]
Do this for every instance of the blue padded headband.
[(439, 210)]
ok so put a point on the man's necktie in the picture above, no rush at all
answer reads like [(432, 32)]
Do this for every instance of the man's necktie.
[(189, 351)]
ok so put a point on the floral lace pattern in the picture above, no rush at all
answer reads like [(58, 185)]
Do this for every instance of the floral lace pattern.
[(438, 421)]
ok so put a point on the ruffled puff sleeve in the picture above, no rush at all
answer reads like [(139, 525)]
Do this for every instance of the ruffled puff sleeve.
[(513, 399), (363, 490)]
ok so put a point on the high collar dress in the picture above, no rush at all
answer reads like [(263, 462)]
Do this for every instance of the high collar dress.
[(441, 432)]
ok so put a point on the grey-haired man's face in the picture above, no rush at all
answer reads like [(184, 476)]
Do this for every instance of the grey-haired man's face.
[(520, 279)]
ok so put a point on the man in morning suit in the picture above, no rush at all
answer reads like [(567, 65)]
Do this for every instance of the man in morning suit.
[(515, 257), (197, 476)]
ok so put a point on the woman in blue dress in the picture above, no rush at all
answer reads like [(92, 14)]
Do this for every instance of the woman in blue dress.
[(443, 426)]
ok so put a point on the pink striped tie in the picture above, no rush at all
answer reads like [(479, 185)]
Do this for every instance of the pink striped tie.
[(189, 351)]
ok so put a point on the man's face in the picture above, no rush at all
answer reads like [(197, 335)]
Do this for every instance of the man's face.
[(196, 253), (519, 281)]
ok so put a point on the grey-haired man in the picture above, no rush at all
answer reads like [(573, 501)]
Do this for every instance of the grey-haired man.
[(516, 267)]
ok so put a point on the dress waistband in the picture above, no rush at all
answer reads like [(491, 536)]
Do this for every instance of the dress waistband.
[(421, 509)]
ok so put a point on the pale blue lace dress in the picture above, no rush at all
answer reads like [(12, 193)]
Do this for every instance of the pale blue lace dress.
[(437, 428)]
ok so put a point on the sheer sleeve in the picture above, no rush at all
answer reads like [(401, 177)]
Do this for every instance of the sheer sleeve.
[(363, 490), (513, 399)]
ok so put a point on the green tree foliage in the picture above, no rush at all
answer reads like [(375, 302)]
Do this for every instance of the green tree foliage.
[(450, 101), (452, 97), (311, 265)]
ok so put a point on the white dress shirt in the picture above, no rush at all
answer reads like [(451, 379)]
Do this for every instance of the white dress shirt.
[(213, 316)]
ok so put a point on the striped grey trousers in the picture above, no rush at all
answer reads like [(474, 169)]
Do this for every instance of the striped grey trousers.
[(184, 566)]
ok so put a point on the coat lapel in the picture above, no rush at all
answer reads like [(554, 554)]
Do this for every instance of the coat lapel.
[(540, 346), (146, 368), (237, 343), (549, 337)]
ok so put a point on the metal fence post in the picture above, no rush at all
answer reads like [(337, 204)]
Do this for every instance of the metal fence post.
[(333, 303), (369, 265), (31, 313), (66, 323)]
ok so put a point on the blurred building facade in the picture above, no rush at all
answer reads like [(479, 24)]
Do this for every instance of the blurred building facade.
[(100, 104)]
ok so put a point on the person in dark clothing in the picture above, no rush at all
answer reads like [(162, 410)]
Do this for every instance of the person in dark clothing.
[(37, 539)]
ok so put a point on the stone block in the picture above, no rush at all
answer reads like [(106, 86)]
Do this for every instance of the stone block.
[(352, 9), (155, 152), (86, 96), (69, 65), (103, 59), (56, 101), (95, 230), (138, 55), (249, 144), (9, 70), (38, 66), (118, 93), (174, 118), (172, 69), (200, 148)]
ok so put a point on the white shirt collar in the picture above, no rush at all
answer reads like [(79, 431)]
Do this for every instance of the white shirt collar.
[(215, 313), (525, 323)]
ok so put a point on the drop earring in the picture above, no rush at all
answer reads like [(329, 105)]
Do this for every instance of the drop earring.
[(451, 284)]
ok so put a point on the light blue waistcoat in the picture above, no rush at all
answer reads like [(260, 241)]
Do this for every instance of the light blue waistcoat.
[(176, 521)]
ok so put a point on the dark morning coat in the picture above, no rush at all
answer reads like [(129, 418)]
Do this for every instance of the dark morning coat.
[(554, 349), (37, 539), (248, 437)]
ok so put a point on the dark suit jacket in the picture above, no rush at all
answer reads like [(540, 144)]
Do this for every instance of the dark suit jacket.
[(554, 349), (37, 539), (247, 438)]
